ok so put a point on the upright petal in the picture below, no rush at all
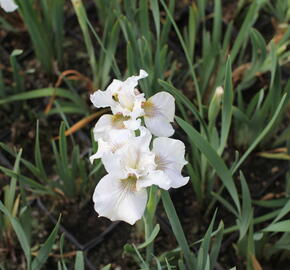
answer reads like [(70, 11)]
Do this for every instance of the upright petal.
[(115, 86), (133, 80), (132, 124), (115, 140), (144, 139), (102, 99), (116, 201)]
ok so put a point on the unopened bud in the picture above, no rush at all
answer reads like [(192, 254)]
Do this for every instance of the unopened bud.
[(215, 104), (219, 91)]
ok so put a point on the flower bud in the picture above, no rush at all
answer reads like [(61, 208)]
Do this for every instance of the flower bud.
[(215, 104)]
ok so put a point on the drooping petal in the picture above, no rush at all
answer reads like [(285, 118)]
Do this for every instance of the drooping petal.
[(158, 178), (169, 158), (170, 150), (116, 201), (164, 103), (176, 179), (159, 112), (8, 5), (159, 125)]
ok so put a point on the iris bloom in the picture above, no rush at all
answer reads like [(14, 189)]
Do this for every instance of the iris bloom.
[(130, 163), (121, 194), (8, 5), (123, 98)]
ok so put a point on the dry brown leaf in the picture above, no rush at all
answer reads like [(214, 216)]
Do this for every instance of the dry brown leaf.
[(83, 122), (268, 196), (256, 264), (72, 75), (64, 255), (238, 73)]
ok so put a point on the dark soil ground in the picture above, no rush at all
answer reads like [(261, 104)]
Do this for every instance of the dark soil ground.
[(103, 240)]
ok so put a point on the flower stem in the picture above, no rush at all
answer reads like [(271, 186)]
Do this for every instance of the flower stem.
[(154, 197)]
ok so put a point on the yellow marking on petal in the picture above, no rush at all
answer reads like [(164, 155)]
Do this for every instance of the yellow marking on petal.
[(129, 183), (115, 97), (149, 108), (161, 163), (118, 121)]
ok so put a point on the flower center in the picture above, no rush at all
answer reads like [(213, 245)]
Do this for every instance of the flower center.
[(118, 120), (161, 163), (129, 183), (115, 97), (149, 109)]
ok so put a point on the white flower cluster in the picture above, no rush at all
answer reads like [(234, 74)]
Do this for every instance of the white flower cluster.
[(124, 147), (8, 5)]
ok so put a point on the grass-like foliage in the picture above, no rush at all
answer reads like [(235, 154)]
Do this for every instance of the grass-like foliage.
[(226, 63)]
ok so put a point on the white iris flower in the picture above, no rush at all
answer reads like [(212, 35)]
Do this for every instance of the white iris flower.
[(8, 5), (124, 147), (121, 194), (123, 98)]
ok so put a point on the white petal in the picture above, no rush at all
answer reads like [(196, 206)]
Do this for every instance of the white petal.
[(170, 150), (129, 104), (159, 125), (102, 99), (116, 202), (137, 108), (115, 86), (176, 179), (165, 104), (115, 139), (133, 80), (170, 159), (134, 159), (93, 157), (157, 178), (103, 126), (8, 5), (112, 163), (132, 124), (144, 139), (110, 123), (103, 148)]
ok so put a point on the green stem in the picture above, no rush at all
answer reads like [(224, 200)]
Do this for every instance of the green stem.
[(148, 221)]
